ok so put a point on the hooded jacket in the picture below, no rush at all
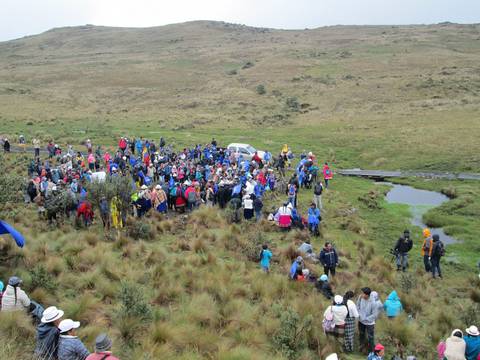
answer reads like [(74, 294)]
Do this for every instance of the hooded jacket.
[(392, 305), (47, 341), (367, 310), (454, 347), (427, 243)]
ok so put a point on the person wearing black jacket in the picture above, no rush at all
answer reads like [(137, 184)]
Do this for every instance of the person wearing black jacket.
[(329, 259), (402, 247), (438, 251)]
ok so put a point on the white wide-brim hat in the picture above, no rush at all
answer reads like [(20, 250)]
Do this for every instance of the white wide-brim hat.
[(51, 314)]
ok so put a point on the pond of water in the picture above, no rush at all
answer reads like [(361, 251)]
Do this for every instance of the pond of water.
[(419, 201)]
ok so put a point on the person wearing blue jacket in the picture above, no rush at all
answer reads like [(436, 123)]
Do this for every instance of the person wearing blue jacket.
[(472, 341), (329, 259), (265, 256), (298, 263), (313, 219), (393, 306)]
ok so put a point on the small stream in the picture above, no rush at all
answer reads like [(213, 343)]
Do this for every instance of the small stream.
[(419, 201)]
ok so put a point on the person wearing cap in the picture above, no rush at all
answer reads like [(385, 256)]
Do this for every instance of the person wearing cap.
[(368, 312), (48, 333), (377, 353), (339, 311), (14, 298), (402, 247), (324, 287), (297, 264), (472, 341), (103, 346), (70, 347), (427, 248)]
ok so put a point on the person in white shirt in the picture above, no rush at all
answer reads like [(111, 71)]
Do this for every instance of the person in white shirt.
[(350, 321), (339, 311), (14, 298)]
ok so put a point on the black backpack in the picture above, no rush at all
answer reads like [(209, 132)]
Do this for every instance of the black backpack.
[(441, 249), (318, 189)]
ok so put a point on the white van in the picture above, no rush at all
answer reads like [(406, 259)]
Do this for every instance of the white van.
[(246, 150)]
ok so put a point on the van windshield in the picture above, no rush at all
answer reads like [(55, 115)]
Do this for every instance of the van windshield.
[(251, 149)]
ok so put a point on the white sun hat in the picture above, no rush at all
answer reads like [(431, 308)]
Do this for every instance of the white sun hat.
[(473, 330), (51, 314), (67, 325)]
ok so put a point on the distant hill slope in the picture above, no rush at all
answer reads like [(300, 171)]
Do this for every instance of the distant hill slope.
[(101, 70)]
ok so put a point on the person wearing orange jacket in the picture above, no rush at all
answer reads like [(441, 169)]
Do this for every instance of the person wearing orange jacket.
[(427, 248)]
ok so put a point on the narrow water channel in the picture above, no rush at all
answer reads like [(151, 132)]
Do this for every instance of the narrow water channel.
[(419, 202)]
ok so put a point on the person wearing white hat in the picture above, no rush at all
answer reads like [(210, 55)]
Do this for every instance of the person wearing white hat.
[(472, 340), (339, 311), (332, 357), (48, 333), (70, 347)]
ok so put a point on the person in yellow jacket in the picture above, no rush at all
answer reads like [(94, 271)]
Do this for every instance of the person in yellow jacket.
[(116, 214), (427, 248)]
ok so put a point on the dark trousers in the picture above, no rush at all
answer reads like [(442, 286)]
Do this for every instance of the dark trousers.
[(436, 266), (330, 269), (37, 152), (366, 336), (427, 264)]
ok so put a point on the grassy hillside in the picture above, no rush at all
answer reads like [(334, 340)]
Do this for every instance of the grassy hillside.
[(192, 288), (370, 96), (374, 97)]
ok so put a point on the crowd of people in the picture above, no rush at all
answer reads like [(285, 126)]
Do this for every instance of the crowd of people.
[(166, 181)]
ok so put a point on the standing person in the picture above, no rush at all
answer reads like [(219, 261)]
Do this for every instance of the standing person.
[(1, 292), (313, 219), (472, 341), (350, 321), (438, 250), (105, 212), (265, 256), (103, 346), (402, 247), (427, 249), (339, 311), (329, 259), (36, 147), (14, 298), (70, 347), (455, 346), (6, 145), (258, 206), (317, 195), (378, 353), (247, 207), (367, 315), (48, 333), (327, 174)]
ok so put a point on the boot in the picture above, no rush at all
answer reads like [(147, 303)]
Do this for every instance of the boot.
[(404, 269), (398, 267)]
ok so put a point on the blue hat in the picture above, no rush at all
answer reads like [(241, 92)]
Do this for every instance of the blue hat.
[(14, 281), (324, 277)]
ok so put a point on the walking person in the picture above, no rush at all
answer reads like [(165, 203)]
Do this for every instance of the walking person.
[(317, 195), (327, 174), (438, 250), (329, 259), (258, 206), (314, 218), (36, 147), (402, 247), (367, 311), (337, 312), (427, 249), (350, 321), (265, 256)]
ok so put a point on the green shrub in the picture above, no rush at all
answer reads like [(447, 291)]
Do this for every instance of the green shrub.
[(41, 278), (261, 89), (139, 230), (292, 104), (290, 338), (133, 302)]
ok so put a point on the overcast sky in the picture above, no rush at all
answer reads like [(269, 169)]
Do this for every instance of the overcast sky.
[(27, 17)]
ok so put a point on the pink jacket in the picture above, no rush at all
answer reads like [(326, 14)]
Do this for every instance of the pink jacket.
[(101, 356)]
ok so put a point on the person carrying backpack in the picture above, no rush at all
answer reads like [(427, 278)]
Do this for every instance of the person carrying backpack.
[(334, 317), (327, 174), (438, 250), (427, 249), (402, 247), (265, 256), (317, 195)]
